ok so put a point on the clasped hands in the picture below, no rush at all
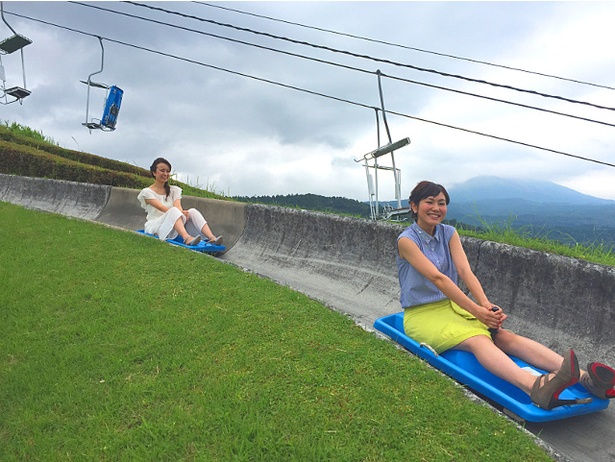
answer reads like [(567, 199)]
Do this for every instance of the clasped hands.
[(493, 316)]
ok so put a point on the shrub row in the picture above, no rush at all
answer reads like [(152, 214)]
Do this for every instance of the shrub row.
[(77, 156), (28, 161)]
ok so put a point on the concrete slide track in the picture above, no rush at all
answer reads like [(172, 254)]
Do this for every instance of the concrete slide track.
[(349, 265)]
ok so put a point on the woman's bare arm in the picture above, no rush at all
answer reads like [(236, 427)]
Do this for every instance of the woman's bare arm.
[(411, 252)]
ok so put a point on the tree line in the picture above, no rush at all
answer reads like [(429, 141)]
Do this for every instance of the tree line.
[(315, 202)]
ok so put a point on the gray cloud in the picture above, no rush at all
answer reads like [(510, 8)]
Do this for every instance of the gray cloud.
[(247, 137)]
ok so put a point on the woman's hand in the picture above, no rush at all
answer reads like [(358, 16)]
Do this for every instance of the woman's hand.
[(186, 214), (493, 316)]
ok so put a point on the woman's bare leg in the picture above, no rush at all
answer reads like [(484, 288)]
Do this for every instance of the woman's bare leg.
[(528, 350), (497, 362), (205, 231), (181, 230)]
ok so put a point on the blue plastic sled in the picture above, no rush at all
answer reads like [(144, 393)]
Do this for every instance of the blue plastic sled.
[(203, 246), (465, 368), (112, 107)]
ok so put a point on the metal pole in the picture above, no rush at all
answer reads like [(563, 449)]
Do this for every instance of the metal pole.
[(395, 173), (2, 13), (102, 65), (23, 70), (377, 212)]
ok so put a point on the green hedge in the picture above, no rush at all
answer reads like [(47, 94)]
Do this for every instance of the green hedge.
[(77, 156), (24, 156), (28, 161)]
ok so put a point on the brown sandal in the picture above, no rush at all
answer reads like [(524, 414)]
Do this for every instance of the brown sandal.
[(599, 380), (216, 240), (192, 240), (546, 390)]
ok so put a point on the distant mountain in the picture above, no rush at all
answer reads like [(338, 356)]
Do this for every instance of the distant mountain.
[(488, 188), (526, 202), (540, 208)]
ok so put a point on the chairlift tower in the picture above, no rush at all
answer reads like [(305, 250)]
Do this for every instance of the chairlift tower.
[(10, 45)]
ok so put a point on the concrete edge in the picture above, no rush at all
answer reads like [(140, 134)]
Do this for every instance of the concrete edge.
[(78, 200)]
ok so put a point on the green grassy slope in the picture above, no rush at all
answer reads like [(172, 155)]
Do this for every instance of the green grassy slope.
[(116, 346)]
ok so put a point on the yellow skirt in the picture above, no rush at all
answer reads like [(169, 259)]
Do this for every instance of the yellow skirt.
[(441, 325)]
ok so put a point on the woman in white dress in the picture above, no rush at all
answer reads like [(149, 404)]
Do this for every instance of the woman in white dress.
[(165, 216)]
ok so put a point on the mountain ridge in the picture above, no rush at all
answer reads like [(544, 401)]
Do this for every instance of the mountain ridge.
[(539, 208), (482, 188)]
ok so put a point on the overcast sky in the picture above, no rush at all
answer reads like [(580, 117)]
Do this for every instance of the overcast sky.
[(238, 135)]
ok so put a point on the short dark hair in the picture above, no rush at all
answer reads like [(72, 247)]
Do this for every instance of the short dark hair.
[(423, 190)]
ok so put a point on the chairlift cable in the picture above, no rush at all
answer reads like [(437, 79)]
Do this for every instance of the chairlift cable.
[(372, 58), (311, 92), (353, 68), (406, 47)]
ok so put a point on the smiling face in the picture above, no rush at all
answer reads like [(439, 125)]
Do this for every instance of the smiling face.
[(430, 212), (162, 172)]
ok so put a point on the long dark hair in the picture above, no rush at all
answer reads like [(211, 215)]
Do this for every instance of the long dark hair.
[(154, 166), (423, 190)]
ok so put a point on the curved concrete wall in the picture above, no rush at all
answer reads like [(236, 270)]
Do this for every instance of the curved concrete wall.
[(562, 302), (349, 264), (78, 200)]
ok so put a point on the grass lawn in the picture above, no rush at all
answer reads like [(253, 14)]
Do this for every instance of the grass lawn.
[(119, 347)]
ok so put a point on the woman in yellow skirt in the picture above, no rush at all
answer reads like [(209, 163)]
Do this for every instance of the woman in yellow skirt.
[(437, 312)]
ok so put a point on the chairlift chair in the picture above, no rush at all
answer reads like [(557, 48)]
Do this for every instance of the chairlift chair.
[(113, 100), (14, 43)]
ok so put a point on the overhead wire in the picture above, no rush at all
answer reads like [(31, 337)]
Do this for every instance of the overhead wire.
[(372, 58), (406, 47), (348, 67), (311, 92)]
